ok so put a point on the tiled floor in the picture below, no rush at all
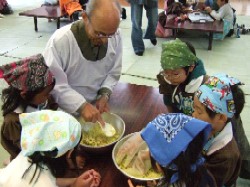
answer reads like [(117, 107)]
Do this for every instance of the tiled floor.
[(18, 39)]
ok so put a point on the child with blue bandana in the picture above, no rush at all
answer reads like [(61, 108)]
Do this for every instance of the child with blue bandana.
[(47, 136), (217, 101), (182, 74), (175, 142)]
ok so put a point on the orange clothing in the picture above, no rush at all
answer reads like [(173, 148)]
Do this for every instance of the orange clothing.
[(70, 6)]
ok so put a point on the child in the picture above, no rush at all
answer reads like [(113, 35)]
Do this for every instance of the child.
[(30, 83), (182, 75), (172, 10), (50, 2), (71, 7), (47, 136), (160, 31), (177, 153), (224, 13), (218, 101)]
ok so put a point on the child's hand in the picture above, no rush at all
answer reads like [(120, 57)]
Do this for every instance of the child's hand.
[(89, 178), (208, 9), (129, 148)]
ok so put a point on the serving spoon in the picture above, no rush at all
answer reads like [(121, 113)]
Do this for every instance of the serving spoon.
[(107, 129)]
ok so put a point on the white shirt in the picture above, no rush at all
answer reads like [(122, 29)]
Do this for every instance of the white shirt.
[(225, 12), (11, 175), (78, 79)]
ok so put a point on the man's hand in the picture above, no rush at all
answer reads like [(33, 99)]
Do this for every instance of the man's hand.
[(89, 178), (91, 114), (102, 104)]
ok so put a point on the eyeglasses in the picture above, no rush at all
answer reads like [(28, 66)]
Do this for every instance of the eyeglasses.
[(102, 35), (97, 34), (172, 76)]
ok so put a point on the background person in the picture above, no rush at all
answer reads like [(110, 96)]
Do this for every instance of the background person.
[(5, 7), (151, 7), (72, 8), (224, 13), (86, 59)]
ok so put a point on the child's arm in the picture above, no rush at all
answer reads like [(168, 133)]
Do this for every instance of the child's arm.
[(170, 109), (65, 182)]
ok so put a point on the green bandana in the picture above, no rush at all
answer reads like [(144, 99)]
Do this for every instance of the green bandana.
[(176, 54)]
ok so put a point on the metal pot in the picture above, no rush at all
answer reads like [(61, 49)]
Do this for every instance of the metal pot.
[(117, 123)]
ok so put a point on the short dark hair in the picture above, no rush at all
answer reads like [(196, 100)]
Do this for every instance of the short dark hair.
[(239, 99), (12, 98), (191, 47)]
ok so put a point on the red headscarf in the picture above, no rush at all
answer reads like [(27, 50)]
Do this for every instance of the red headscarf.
[(28, 74)]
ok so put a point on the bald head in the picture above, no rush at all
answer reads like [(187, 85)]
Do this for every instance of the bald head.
[(104, 15), (105, 8)]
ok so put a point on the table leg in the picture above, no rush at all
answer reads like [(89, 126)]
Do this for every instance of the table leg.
[(35, 22), (58, 23), (210, 40), (174, 32)]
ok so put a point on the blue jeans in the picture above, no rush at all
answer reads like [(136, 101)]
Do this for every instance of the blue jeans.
[(136, 18), (209, 3)]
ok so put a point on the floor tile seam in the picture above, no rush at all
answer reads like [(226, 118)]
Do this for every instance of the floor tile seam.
[(21, 45), (139, 76), (9, 56)]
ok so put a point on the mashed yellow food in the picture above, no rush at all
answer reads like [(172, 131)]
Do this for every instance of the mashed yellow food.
[(95, 137), (151, 174)]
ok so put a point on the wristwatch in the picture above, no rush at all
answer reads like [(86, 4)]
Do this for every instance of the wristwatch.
[(107, 95)]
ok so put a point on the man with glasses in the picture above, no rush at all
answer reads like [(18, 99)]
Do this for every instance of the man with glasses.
[(182, 74), (86, 59)]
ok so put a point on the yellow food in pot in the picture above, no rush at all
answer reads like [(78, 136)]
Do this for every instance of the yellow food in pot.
[(96, 138)]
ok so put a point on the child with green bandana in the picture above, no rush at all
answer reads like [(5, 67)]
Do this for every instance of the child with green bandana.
[(181, 76)]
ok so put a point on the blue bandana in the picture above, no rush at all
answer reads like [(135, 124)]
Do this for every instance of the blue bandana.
[(216, 94), (170, 134)]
